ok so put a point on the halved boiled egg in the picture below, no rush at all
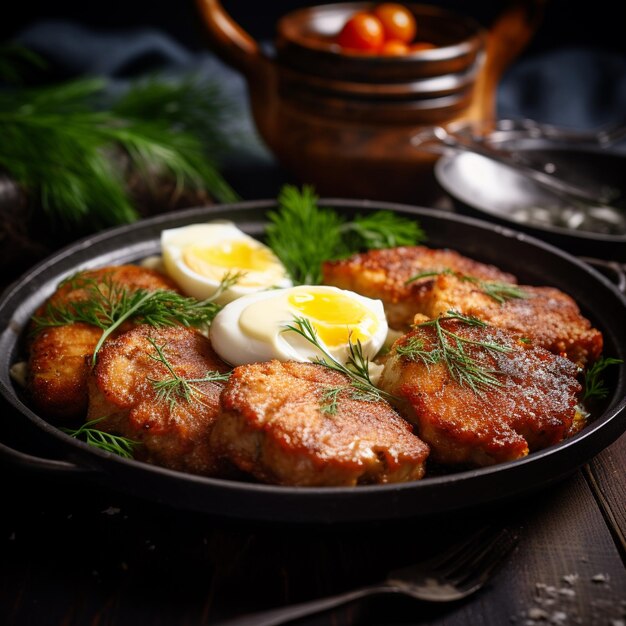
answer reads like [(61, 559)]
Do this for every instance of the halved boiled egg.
[(255, 328), (199, 256)]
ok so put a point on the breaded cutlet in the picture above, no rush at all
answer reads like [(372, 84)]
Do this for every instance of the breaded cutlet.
[(172, 428), (58, 356), (488, 397), (279, 424), (383, 275)]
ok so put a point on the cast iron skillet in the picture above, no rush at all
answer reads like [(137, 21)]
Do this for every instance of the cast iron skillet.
[(533, 261)]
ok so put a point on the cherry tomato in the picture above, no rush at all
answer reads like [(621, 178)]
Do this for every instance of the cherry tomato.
[(398, 22), (362, 31), (394, 47)]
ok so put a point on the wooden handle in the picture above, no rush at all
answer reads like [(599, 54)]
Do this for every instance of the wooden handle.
[(229, 40), (509, 34)]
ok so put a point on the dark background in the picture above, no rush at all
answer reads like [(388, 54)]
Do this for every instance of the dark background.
[(566, 23)]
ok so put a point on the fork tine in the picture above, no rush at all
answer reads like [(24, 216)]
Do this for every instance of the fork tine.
[(460, 552), (478, 566)]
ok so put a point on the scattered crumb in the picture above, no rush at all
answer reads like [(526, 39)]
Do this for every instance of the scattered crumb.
[(600, 578), (112, 510), (153, 262), (570, 579), (19, 373), (537, 613), (565, 591), (558, 617)]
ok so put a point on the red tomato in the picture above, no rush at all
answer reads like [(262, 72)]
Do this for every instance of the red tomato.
[(394, 47), (362, 31), (398, 22)]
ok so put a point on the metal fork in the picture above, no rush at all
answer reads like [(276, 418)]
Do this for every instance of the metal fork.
[(452, 575)]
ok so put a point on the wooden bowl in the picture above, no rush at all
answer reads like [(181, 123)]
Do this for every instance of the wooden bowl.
[(306, 42)]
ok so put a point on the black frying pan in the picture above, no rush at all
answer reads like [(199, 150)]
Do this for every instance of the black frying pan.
[(532, 261)]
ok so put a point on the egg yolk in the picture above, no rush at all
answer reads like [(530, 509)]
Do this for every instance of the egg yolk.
[(232, 255), (335, 317)]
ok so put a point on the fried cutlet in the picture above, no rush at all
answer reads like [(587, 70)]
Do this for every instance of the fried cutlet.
[(128, 387), (58, 355), (383, 275), (278, 424), (526, 400), (547, 316)]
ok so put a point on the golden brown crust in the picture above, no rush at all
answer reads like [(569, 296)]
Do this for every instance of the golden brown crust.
[(547, 316), (58, 356), (131, 276), (272, 425), (382, 274), (174, 435), (532, 407), (58, 367)]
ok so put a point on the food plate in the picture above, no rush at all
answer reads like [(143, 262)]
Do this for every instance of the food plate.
[(534, 262)]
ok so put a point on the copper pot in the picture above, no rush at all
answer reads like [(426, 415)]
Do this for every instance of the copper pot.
[(343, 122)]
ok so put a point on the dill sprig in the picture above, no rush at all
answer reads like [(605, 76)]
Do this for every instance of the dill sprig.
[(450, 350), (189, 104), (497, 290), (174, 387), (108, 304), (594, 387), (356, 368), (330, 399), (122, 446), (303, 235), (380, 229), (64, 150)]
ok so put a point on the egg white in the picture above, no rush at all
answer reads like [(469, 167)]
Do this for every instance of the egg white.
[(202, 280), (253, 328)]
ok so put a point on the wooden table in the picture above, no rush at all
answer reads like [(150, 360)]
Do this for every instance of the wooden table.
[(75, 553)]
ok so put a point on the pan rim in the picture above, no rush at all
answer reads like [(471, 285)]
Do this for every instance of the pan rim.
[(103, 459)]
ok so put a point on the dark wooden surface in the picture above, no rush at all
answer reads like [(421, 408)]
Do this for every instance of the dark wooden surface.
[(76, 553)]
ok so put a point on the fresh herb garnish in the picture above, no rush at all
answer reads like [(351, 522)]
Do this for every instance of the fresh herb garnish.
[(450, 350), (122, 446), (594, 387), (174, 388), (377, 230), (108, 304), (330, 399), (80, 160), (498, 291), (303, 235), (356, 368)]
